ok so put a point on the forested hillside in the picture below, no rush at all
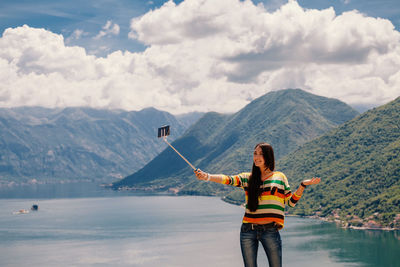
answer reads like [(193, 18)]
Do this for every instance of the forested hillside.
[(359, 165)]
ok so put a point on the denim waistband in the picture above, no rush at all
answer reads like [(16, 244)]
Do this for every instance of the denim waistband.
[(261, 226)]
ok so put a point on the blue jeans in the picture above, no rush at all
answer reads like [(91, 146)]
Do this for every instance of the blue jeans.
[(269, 238)]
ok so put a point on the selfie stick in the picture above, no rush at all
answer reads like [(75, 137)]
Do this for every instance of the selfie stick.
[(164, 132)]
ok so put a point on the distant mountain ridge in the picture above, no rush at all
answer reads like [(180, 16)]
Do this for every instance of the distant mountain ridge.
[(79, 143), (224, 143)]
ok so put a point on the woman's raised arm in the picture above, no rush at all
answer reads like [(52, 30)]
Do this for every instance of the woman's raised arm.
[(314, 180), (219, 178)]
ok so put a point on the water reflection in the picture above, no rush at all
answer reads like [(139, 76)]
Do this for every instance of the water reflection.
[(348, 246)]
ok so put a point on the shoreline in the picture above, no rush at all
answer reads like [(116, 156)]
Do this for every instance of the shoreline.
[(331, 219), (344, 224)]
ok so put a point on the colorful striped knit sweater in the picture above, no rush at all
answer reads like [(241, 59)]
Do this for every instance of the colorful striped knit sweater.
[(275, 194)]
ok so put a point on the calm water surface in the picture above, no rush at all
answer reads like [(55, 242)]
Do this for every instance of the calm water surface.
[(83, 225)]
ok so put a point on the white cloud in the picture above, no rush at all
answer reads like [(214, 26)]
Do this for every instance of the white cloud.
[(77, 34), (109, 29), (208, 55)]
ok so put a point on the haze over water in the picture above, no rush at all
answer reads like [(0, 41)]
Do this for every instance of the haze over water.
[(86, 226)]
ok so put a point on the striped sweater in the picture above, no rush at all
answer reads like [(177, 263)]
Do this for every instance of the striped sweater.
[(275, 195)]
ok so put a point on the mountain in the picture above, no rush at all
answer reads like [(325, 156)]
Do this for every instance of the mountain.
[(187, 119), (359, 165), (79, 143), (221, 143)]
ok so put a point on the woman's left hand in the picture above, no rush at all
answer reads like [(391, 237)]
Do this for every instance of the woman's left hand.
[(314, 180), (200, 174)]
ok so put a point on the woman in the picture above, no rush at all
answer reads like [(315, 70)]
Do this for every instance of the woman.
[(267, 191)]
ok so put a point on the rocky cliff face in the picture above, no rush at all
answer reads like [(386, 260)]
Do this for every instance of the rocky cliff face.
[(79, 143)]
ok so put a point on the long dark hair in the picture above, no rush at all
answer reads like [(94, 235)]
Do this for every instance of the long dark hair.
[(253, 190)]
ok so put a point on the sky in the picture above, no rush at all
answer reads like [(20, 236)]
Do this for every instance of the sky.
[(196, 55)]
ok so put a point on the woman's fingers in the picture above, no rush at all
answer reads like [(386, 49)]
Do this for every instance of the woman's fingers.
[(200, 174), (314, 180)]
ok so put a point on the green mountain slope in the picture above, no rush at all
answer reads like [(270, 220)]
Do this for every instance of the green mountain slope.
[(359, 165), (221, 143)]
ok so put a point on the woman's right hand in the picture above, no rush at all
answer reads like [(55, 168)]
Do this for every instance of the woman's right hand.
[(200, 174)]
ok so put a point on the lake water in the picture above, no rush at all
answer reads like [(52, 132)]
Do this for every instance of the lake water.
[(83, 225)]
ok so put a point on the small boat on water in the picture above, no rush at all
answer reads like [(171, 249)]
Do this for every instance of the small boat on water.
[(21, 211), (35, 207)]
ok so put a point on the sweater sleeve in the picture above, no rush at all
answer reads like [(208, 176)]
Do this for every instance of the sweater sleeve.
[(238, 180), (291, 199)]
